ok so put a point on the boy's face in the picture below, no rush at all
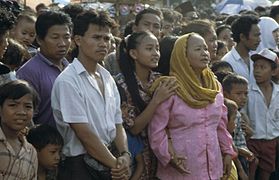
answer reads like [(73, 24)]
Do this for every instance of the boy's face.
[(263, 71), (95, 43), (149, 22), (49, 156), (24, 32), (56, 43), (239, 94), (16, 114)]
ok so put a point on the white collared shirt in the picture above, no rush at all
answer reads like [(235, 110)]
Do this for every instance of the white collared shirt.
[(264, 120), (239, 66), (76, 98)]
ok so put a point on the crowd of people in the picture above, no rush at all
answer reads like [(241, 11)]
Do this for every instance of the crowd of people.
[(169, 96)]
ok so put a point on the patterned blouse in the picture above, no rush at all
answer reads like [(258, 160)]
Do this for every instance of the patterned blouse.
[(130, 112)]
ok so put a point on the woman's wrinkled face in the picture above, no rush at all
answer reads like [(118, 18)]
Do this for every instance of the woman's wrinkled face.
[(197, 53)]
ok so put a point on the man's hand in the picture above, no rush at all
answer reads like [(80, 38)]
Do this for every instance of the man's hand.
[(122, 170)]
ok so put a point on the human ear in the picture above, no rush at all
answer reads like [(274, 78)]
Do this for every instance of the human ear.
[(77, 39), (133, 53)]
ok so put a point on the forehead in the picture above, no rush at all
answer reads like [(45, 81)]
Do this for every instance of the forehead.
[(195, 40), (96, 29), (151, 18), (255, 28), (239, 87), (58, 29)]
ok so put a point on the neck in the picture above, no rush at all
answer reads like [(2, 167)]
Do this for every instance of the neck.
[(142, 73), (9, 133), (265, 85), (89, 65), (41, 173), (242, 51), (56, 62)]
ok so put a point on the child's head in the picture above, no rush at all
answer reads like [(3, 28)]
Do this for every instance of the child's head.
[(142, 49), (48, 143), (18, 100), (221, 66), (24, 30), (265, 64), (232, 111), (222, 50), (236, 88), (15, 55)]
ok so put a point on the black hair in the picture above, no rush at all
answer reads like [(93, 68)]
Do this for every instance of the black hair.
[(15, 54), (73, 10), (147, 11), (232, 79), (231, 18), (48, 19), (42, 135), (274, 11), (41, 6), (11, 6), (220, 64), (7, 20), (83, 20), (243, 25), (128, 28), (166, 47), (221, 28), (199, 26), (127, 66), (17, 89)]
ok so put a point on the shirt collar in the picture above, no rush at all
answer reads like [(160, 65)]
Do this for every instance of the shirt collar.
[(21, 138), (44, 59), (255, 87), (235, 54)]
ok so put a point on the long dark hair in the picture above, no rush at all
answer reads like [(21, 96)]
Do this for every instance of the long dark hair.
[(127, 66)]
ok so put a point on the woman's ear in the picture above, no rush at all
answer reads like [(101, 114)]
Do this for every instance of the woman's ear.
[(133, 53)]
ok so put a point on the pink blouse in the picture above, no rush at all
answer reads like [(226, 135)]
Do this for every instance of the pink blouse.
[(198, 134)]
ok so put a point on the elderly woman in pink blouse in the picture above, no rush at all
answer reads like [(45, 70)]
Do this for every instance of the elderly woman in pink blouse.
[(188, 131)]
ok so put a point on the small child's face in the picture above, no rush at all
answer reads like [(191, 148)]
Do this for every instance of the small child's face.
[(239, 94), (24, 32), (263, 71), (221, 52), (49, 156), (16, 114)]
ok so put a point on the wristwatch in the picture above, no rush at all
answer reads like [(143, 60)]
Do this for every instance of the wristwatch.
[(126, 152)]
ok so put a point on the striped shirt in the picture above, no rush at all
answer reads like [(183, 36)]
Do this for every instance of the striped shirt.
[(23, 165)]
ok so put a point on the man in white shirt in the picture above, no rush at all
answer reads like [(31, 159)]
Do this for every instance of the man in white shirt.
[(246, 33), (86, 107)]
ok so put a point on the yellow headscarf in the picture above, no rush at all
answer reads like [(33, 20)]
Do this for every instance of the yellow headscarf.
[(189, 87)]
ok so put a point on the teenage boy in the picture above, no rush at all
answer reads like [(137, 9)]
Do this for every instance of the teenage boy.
[(54, 37), (246, 34), (86, 106), (263, 111)]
